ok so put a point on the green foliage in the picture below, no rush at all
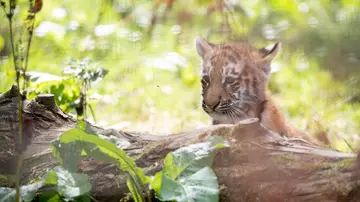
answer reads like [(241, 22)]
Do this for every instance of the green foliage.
[(65, 90), (154, 69), (85, 70), (71, 185), (71, 90), (27, 192), (154, 80), (74, 143), (187, 175), (186, 168), (135, 193), (61, 185), (201, 186)]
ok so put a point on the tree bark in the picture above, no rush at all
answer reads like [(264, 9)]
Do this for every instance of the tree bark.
[(260, 165)]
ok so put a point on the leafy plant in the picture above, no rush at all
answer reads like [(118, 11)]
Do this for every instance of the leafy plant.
[(27, 192), (187, 173), (56, 184), (80, 141), (84, 72), (20, 67), (71, 90), (65, 90)]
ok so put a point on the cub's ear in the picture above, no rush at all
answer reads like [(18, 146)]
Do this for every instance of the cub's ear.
[(269, 53), (202, 47)]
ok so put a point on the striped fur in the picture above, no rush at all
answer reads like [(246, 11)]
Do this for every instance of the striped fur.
[(234, 85)]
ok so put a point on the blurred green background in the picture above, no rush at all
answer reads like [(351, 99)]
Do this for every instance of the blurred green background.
[(153, 84)]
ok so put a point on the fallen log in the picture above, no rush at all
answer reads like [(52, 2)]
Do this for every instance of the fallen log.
[(260, 165)]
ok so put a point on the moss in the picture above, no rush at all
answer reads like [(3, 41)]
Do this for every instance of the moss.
[(6, 180), (285, 158), (331, 168)]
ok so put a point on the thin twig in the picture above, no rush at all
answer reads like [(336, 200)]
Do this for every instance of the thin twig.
[(92, 198), (30, 29), (10, 15), (92, 113), (13, 47)]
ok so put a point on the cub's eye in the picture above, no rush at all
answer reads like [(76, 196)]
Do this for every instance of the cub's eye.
[(205, 80), (230, 80)]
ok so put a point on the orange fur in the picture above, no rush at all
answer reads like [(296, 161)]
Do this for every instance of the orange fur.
[(234, 84)]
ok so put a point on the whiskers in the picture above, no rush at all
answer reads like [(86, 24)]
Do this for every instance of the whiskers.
[(237, 113), (234, 110)]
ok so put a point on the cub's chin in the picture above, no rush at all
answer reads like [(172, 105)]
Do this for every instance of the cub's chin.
[(219, 118)]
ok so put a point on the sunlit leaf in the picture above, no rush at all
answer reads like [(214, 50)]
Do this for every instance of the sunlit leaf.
[(7, 194), (49, 196), (133, 190), (78, 142), (51, 178), (190, 159), (202, 186), (71, 185), (2, 42), (27, 192), (187, 175), (100, 148)]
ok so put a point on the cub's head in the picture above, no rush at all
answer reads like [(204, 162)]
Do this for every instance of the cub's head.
[(234, 79)]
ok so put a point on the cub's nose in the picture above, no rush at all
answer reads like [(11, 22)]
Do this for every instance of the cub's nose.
[(213, 106)]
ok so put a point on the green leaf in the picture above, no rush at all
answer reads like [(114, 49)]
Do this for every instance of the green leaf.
[(133, 190), (44, 78), (100, 149), (2, 42), (79, 142), (82, 198), (51, 178), (27, 192), (187, 175), (49, 196), (201, 186), (69, 155), (7, 194), (71, 185), (166, 188), (190, 159)]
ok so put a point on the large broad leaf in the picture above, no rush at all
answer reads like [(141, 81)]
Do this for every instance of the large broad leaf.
[(135, 193), (7, 194), (95, 147), (187, 175), (71, 185), (188, 160), (201, 186), (40, 77), (69, 155), (27, 192), (49, 196), (83, 141)]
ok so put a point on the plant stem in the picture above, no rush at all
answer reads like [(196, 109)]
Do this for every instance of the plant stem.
[(92, 198), (19, 143), (92, 113), (13, 48), (27, 52)]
